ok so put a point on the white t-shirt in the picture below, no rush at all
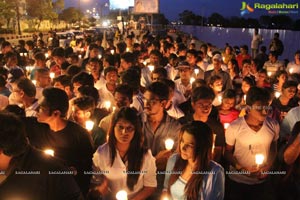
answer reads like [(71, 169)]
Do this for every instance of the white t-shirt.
[(116, 174), (247, 143)]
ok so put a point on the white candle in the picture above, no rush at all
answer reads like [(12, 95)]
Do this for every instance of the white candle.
[(145, 63), (99, 56), (226, 125), (25, 54), (89, 125), (79, 56), (52, 75), (192, 79), (21, 54), (49, 152), (196, 71), (107, 104), (121, 195), (277, 94), (127, 49), (169, 143), (291, 70), (259, 159), (34, 82), (112, 51), (151, 68), (245, 97), (46, 55)]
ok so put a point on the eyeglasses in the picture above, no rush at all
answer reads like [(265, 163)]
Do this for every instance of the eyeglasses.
[(127, 129)]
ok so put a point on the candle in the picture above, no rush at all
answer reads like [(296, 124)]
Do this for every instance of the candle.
[(269, 73), (220, 98), (107, 104), (165, 198), (291, 70), (112, 51), (25, 54), (121, 195), (277, 94), (113, 108), (145, 63), (79, 56), (89, 125), (82, 49), (192, 79), (99, 56), (213, 144), (34, 82), (259, 159), (196, 71), (52, 75), (245, 97), (21, 54), (223, 58), (151, 68), (226, 125), (169, 143), (127, 49), (46, 55), (49, 152)]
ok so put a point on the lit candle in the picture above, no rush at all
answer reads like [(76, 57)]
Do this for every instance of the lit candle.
[(145, 63), (169, 143), (49, 152), (25, 54), (259, 159), (113, 108), (112, 51), (107, 104), (165, 198), (269, 73), (192, 79), (277, 94), (127, 49), (52, 75), (121, 195), (21, 54), (196, 71), (151, 68), (82, 49), (291, 70), (213, 144), (245, 97), (79, 56), (220, 98), (89, 125), (223, 58), (99, 56), (226, 125), (34, 82), (46, 55)]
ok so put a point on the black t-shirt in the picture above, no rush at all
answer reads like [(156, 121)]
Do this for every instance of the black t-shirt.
[(40, 182), (72, 145)]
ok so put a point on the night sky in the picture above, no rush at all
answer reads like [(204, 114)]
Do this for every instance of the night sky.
[(171, 8)]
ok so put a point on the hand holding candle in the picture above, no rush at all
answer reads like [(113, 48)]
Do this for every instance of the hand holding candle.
[(151, 68), (192, 79), (107, 105)]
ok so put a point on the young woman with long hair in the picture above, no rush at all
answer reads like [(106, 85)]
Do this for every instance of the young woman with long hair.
[(191, 174), (123, 162)]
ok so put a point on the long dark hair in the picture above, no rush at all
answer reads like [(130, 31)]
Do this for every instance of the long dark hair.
[(136, 149), (203, 147)]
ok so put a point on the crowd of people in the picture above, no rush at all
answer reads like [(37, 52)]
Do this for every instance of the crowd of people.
[(148, 117)]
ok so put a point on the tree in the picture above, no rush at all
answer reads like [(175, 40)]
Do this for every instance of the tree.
[(70, 15), (282, 21), (7, 11), (39, 10), (216, 19), (265, 21), (186, 17), (58, 5)]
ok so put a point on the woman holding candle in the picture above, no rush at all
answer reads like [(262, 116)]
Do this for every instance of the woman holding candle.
[(124, 162), (195, 175)]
